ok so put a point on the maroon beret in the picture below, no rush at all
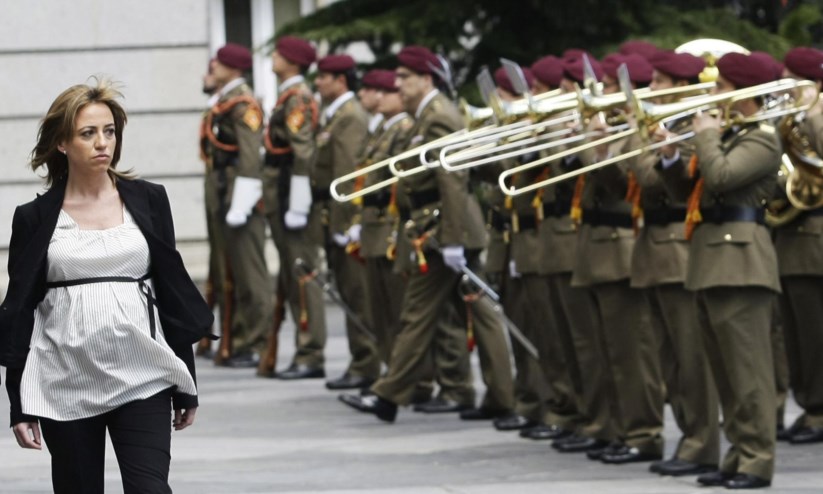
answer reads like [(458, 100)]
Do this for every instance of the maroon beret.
[(380, 79), (576, 53), (501, 78), (678, 65), (745, 70), (805, 62), (418, 58), (640, 70), (234, 56), (573, 68), (296, 50), (548, 70), (777, 67), (640, 47), (611, 63), (335, 64)]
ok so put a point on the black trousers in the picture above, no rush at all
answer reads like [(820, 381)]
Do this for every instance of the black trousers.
[(140, 433)]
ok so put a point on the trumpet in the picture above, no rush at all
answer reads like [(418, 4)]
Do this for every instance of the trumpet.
[(648, 115)]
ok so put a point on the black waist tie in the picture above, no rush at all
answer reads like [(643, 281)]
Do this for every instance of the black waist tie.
[(663, 216), (596, 217), (724, 214), (145, 289)]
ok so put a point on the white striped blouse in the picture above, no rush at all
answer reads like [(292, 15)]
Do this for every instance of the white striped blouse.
[(92, 349)]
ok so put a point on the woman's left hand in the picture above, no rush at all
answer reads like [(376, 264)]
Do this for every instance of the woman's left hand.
[(184, 418)]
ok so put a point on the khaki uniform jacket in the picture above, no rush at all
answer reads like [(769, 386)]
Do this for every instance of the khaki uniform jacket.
[(740, 170), (241, 126), (291, 126), (378, 225), (498, 219), (661, 252), (460, 220), (800, 243), (604, 252), (339, 143), (527, 249), (558, 231)]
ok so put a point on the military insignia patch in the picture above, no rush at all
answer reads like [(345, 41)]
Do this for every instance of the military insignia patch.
[(295, 120), (252, 119)]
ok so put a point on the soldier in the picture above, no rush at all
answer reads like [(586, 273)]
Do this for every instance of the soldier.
[(289, 161), (218, 290), (233, 148), (801, 268), (370, 95), (659, 269), (602, 265), (448, 232), (733, 268), (340, 139)]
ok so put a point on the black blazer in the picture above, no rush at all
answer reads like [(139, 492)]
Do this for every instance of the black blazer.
[(184, 314)]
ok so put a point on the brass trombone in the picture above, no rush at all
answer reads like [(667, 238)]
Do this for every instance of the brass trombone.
[(648, 115)]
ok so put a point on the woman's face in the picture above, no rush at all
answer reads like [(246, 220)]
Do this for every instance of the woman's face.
[(91, 148)]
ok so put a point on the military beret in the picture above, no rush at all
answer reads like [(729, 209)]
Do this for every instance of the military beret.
[(777, 67), (640, 70), (296, 50), (745, 70), (418, 58), (805, 62), (335, 63), (501, 78), (380, 79), (573, 68), (576, 53), (640, 47), (548, 70), (678, 65), (234, 56)]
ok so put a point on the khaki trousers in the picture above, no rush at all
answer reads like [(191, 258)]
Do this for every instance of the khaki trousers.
[(736, 322), (803, 330), (425, 299), (686, 372), (633, 362)]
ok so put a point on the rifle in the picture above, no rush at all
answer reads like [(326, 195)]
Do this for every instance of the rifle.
[(269, 361)]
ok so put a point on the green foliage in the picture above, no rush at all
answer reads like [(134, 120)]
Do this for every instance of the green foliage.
[(796, 26)]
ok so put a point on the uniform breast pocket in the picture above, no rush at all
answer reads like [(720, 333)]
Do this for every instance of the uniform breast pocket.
[(741, 233), (674, 233), (564, 225)]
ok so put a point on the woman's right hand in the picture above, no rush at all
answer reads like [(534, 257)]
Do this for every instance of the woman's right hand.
[(28, 435)]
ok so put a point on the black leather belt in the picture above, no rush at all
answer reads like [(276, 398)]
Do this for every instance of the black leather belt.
[(320, 194), (596, 217), (556, 209), (813, 212), (526, 222), (499, 222), (422, 198), (663, 216), (728, 214), (376, 201)]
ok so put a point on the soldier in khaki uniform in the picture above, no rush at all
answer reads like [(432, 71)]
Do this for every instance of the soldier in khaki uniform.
[(457, 232), (659, 268), (289, 160), (218, 285), (733, 268), (340, 139), (800, 259), (602, 265), (233, 148)]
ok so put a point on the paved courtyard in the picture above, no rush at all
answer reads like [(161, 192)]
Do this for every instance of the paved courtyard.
[(257, 435)]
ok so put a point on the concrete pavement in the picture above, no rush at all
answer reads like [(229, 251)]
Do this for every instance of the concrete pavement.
[(260, 436)]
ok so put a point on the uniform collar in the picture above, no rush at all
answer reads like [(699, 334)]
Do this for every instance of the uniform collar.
[(291, 81), (231, 85), (374, 122), (336, 104), (393, 120), (425, 101)]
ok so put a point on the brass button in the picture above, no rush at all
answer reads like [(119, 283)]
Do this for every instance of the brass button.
[(426, 212), (727, 237), (614, 235), (671, 235)]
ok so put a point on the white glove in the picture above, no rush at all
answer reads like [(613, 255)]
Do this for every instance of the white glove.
[(340, 239), (454, 257), (247, 191), (354, 232), (513, 269), (295, 221), (299, 202)]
